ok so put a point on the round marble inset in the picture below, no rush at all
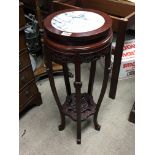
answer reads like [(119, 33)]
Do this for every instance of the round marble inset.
[(77, 21)]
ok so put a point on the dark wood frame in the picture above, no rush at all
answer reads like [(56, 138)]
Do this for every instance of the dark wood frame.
[(29, 95), (78, 106)]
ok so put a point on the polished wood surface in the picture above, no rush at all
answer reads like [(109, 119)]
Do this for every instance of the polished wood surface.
[(71, 49), (78, 106)]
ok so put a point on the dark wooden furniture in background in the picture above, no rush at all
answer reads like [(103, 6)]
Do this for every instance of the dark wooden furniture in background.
[(41, 8), (44, 5), (28, 91), (78, 48), (122, 14)]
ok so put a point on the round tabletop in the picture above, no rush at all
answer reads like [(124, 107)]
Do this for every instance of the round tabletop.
[(77, 24), (78, 36)]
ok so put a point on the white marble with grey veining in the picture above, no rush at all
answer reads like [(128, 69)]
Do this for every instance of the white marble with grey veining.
[(77, 21)]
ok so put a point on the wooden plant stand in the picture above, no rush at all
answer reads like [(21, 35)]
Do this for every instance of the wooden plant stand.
[(78, 47)]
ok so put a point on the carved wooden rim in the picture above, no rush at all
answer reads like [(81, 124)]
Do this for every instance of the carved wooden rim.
[(89, 48)]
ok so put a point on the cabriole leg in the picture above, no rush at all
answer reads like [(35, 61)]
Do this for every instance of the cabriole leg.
[(52, 84), (103, 89)]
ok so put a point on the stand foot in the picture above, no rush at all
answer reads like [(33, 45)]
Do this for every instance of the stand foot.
[(61, 127), (78, 141), (97, 127)]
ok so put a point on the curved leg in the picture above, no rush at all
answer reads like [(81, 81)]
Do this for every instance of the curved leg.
[(78, 86), (66, 78), (91, 77), (51, 79), (103, 90)]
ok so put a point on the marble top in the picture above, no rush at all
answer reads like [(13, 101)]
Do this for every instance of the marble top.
[(77, 22)]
